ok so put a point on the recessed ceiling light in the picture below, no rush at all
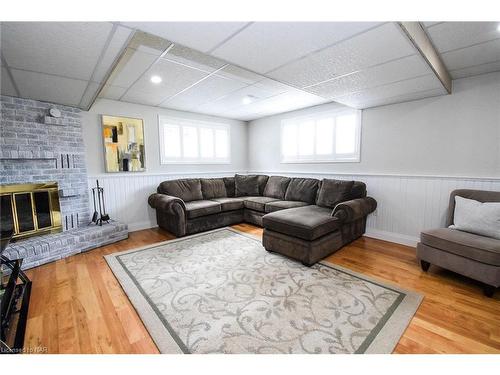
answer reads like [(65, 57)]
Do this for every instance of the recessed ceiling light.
[(498, 27), (156, 79), (248, 99)]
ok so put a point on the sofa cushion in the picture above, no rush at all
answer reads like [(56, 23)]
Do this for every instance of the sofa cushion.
[(332, 192), (246, 185), (358, 190), (202, 208), (213, 188), (276, 187), (262, 182), (308, 223), (283, 205), (257, 203), (468, 245), (302, 189), (229, 204), (230, 187), (188, 189)]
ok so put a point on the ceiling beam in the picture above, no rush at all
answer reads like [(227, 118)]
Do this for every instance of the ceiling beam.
[(417, 35)]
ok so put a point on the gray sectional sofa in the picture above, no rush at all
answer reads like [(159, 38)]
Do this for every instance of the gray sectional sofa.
[(303, 218)]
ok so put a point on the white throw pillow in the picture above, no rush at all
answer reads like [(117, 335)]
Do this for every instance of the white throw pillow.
[(476, 217)]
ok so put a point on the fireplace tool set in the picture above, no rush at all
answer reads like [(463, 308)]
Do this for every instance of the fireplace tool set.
[(99, 217)]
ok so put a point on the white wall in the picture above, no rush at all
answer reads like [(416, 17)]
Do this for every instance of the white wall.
[(127, 193), (412, 155), (452, 135), (94, 146)]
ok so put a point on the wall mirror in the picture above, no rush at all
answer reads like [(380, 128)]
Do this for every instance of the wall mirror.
[(123, 139)]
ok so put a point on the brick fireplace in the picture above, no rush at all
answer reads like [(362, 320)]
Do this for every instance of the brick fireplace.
[(37, 149)]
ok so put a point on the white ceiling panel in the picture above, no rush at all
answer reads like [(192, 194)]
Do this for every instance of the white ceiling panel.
[(49, 88), (188, 33), (283, 42), (194, 59), (175, 78), (7, 88), (389, 93), (396, 70), (111, 53), (236, 99), (475, 70), (285, 102), (273, 86), (448, 36), (112, 92), (132, 65), (211, 88), (358, 53), (240, 74), (484, 53), (68, 49)]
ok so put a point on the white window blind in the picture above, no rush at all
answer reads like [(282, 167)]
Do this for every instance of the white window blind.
[(193, 142), (326, 137)]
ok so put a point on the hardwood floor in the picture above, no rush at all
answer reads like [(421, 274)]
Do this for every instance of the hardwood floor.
[(77, 305)]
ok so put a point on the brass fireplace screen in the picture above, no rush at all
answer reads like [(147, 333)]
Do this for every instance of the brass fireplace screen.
[(29, 209)]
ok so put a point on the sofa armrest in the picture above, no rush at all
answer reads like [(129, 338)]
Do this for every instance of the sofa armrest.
[(165, 202), (355, 209)]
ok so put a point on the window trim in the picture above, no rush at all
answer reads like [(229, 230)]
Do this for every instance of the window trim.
[(198, 124), (316, 159)]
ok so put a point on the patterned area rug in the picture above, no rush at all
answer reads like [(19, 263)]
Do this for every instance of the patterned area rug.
[(222, 292)]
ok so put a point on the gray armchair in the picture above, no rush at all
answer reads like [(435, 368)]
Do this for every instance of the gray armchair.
[(468, 254)]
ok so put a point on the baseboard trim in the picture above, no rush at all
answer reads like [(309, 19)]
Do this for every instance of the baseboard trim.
[(399, 238), (133, 227)]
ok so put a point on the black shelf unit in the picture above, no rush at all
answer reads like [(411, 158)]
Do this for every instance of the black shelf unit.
[(15, 291)]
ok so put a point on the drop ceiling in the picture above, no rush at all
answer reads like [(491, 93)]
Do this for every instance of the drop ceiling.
[(214, 67)]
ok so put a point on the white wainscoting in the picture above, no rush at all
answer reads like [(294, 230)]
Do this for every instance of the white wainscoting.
[(406, 204), (126, 195)]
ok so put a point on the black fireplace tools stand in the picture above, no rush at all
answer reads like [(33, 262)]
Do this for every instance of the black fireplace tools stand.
[(99, 217)]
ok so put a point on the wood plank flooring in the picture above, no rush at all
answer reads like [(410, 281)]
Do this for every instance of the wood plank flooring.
[(77, 305)]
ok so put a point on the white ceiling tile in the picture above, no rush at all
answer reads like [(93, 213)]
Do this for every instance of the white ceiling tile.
[(488, 52), (448, 36), (49, 88), (240, 74), (376, 46), (396, 70), (285, 102), (115, 46), (7, 88), (194, 59), (272, 86), (68, 49), (283, 42), (175, 78), (475, 70), (235, 99), (112, 92), (131, 66), (188, 33), (391, 91), (209, 89)]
